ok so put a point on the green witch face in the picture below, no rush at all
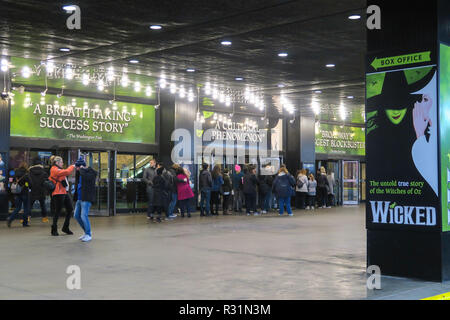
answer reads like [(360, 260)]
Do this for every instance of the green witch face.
[(396, 115)]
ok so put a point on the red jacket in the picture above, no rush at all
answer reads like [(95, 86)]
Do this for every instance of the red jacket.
[(57, 175), (183, 188)]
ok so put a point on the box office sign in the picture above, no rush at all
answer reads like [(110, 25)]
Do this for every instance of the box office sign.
[(331, 139), (69, 118)]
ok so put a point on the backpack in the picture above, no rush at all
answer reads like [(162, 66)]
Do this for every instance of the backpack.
[(300, 183)]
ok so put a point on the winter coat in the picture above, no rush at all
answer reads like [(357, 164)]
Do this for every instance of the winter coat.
[(38, 175), (227, 185), (172, 178), (330, 185), (250, 183), (312, 185), (149, 175), (264, 186), (161, 190), (304, 179), (237, 181), (322, 181), (23, 178), (205, 180), (88, 193), (283, 185), (184, 190), (217, 183), (57, 175)]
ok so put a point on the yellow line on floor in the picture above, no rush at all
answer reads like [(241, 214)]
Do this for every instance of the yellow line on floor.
[(444, 296)]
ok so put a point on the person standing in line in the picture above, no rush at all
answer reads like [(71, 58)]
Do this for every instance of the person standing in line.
[(184, 192), (60, 198), (331, 184), (215, 190), (37, 176), (227, 188), (205, 185), (265, 192), (301, 189), (171, 176), (283, 187), (322, 183), (250, 183), (312, 184), (149, 174), (237, 181), (161, 190), (21, 186), (84, 196)]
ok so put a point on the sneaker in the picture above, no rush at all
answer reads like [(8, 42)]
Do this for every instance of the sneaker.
[(158, 220), (45, 220), (307, 208), (291, 215), (86, 238), (81, 238), (328, 207), (249, 214), (323, 207), (173, 216), (264, 212), (256, 214)]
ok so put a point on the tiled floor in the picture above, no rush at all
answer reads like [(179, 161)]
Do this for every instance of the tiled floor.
[(314, 255)]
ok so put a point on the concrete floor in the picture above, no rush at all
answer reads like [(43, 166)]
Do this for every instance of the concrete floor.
[(314, 255)]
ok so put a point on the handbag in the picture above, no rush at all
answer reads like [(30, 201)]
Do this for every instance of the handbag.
[(15, 186), (49, 185)]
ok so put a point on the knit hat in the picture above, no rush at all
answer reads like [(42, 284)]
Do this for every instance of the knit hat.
[(80, 162), (237, 167)]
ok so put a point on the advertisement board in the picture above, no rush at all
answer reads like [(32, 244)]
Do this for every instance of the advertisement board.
[(402, 149), (342, 140), (81, 119)]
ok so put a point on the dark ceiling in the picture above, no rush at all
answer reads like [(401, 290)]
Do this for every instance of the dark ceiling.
[(313, 33)]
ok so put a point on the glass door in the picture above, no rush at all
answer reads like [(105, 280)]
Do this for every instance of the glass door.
[(362, 182), (350, 182), (99, 161)]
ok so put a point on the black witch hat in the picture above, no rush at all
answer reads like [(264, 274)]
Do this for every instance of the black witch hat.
[(397, 93)]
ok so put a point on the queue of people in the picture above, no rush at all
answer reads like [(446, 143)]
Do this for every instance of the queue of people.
[(170, 191)]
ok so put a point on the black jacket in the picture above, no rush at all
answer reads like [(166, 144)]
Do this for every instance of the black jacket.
[(322, 181), (171, 177), (265, 184), (88, 176), (250, 183), (205, 180), (37, 176), (227, 186), (161, 191)]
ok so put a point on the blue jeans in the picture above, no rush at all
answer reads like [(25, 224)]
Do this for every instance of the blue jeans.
[(172, 204), (266, 201), (81, 214), (285, 201), (205, 200), (20, 199)]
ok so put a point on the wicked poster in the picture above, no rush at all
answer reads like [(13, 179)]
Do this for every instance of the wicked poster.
[(402, 149)]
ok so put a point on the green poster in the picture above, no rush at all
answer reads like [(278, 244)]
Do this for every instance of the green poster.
[(444, 105), (81, 119), (331, 139)]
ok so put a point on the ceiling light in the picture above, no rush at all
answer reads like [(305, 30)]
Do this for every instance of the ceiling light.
[(148, 91), (350, 97), (173, 88), (354, 17), (50, 67), (182, 92), (162, 83), (190, 70), (283, 54), (155, 27), (207, 89), (239, 79), (330, 65), (226, 43), (227, 101), (69, 73), (64, 49), (137, 86), (215, 93), (281, 85), (317, 91), (100, 85), (26, 72), (85, 79), (190, 95), (69, 8), (133, 61), (124, 81)]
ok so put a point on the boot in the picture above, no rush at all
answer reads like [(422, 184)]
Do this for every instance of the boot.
[(66, 229), (55, 230)]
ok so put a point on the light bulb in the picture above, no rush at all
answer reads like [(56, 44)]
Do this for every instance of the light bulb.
[(173, 88), (137, 86), (124, 81), (182, 93), (148, 91), (100, 85), (162, 83), (26, 72), (85, 79)]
